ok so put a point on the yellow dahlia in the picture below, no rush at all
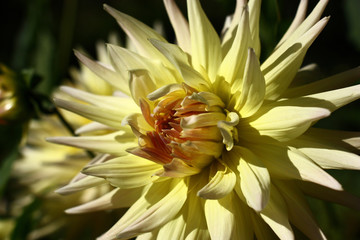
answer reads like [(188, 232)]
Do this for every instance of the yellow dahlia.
[(211, 143)]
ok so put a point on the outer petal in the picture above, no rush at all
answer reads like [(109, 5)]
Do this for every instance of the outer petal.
[(281, 67), (254, 10), (138, 32), (276, 216), (334, 82), (254, 177), (117, 198), (283, 121), (117, 80), (253, 88), (125, 172), (232, 66), (299, 18), (205, 43), (299, 212), (159, 213), (180, 25), (105, 143), (124, 61), (221, 183), (233, 223)]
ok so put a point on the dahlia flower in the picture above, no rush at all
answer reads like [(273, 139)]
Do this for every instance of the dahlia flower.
[(211, 143)]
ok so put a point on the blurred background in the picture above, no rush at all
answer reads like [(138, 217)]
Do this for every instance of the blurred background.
[(38, 38)]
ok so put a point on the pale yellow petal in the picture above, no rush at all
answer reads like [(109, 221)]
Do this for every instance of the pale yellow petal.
[(253, 87), (221, 182), (341, 197), (205, 42), (202, 120), (233, 64), (299, 212), (180, 25), (125, 60), (159, 213), (138, 32), (92, 127), (283, 121), (124, 104), (117, 198), (125, 172), (275, 214), (106, 143), (140, 84), (82, 184), (340, 80), (298, 19), (174, 229), (254, 13), (118, 80), (288, 61), (102, 115), (233, 223), (261, 229)]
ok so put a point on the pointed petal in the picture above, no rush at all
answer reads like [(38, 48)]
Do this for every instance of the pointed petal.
[(93, 126), (125, 172), (254, 177), (261, 229), (123, 104), (254, 13), (205, 43), (337, 81), (327, 154), (180, 25), (140, 84), (174, 229), (299, 212), (229, 36), (106, 143), (159, 213), (283, 121), (310, 171), (138, 32), (181, 62), (276, 216), (232, 66), (117, 198), (299, 18), (82, 184), (113, 78), (253, 88), (102, 115), (125, 60), (281, 67), (233, 224), (332, 195), (222, 182)]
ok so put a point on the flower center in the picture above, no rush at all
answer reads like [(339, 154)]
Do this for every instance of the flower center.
[(185, 135)]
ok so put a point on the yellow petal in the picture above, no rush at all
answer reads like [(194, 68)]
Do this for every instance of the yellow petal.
[(340, 80), (276, 216), (138, 32), (117, 198), (82, 184), (228, 130), (205, 43), (221, 183), (232, 66), (285, 121), (254, 12), (299, 212), (140, 84), (180, 25), (125, 172), (202, 120), (253, 87), (117, 80), (105, 143), (233, 223), (254, 177), (160, 212), (124, 61), (299, 18), (279, 76)]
